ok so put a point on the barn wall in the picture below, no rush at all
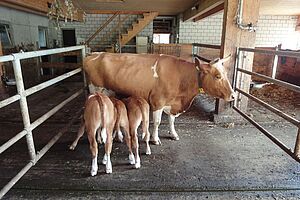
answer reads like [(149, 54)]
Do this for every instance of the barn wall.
[(272, 30), (93, 21), (24, 26)]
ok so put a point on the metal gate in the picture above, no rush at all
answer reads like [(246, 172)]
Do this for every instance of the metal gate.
[(240, 71), (22, 95)]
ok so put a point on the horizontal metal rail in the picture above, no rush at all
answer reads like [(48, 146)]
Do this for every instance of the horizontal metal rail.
[(9, 100), (271, 108), (40, 154), (54, 110), (12, 141), (206, 46), (21, 96), (271, 80), (51, 82), (268, 134), (272, 52)]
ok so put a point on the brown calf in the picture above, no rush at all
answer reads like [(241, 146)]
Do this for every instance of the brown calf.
[(138, 111), (99, 113)]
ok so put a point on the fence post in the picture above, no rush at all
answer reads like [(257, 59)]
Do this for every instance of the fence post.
[(83, 54), (24, 108)]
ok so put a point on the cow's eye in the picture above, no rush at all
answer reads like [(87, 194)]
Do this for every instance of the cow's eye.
[(218, 76)]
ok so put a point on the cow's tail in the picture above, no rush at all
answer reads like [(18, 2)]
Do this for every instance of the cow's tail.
[(144, 107), (101, 107)]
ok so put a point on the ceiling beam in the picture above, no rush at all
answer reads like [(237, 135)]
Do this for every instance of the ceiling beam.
[(210, 12), (137, 12), (200, 8)]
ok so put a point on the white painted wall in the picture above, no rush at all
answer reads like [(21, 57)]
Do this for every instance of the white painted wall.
[(272, 30), (24, 26)]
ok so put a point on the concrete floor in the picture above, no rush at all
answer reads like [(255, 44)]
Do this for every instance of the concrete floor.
[(208, 162)]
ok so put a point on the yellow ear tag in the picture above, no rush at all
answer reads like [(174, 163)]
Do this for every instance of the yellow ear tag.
[(201, 91)]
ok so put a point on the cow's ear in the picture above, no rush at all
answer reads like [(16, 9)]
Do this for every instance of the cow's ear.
[(201, 65)]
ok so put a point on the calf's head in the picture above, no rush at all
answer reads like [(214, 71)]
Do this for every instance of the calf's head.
[(214, 80)]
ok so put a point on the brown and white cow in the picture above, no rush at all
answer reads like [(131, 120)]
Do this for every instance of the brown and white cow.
[(168, 83), (138, 111), (99, 114)]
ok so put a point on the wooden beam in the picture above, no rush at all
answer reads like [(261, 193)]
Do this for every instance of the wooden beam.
[(116, 11), (233, 37), (200, 8), (210, 12)]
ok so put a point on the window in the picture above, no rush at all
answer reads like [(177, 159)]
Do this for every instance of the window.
[(42, 37), (5, 35), (161, 38)]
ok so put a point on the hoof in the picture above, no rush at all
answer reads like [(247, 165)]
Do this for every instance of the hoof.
[(131, 159), (108, 171), (137, 165), (148, 152), (174, 137), (156, 142), (72, 147), (94, 172)]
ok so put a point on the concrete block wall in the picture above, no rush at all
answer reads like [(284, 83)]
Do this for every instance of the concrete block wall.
[(272, 30), (84, 30), (207, 31)]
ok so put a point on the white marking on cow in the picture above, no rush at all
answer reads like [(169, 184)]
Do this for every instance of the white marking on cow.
[(94, 169), (174, 134), (93, 88), (103, 135), (156, 122), (155, 75), (104, 160), (108, 165), (161, 54), (131, 159), (120, 136), (137, 162)]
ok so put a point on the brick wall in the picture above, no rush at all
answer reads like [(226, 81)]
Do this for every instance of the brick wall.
[(93, 21), (272, 30)]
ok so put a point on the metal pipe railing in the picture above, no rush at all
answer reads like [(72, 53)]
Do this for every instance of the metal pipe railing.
[(21, 96), (296, 154)]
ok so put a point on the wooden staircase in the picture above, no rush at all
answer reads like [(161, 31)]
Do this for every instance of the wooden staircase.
[(137, 27)]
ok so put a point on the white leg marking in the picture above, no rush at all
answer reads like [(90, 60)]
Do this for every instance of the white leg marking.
[(120, 136), (104, 160), (103, 135), (131, 159), (94, 169), (174, 134), (137, 162), (156, 122), (148, 150), (108, 165)]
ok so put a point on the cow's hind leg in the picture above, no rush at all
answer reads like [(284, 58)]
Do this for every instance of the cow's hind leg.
[(173, 132), (135, 146), (156, 122)]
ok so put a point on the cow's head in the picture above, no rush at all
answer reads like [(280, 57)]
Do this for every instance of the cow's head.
[(213, 79)]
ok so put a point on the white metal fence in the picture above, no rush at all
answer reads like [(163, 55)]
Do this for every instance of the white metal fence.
[(22, 95)]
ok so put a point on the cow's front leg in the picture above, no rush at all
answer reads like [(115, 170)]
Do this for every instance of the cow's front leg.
[(156, 122), (173, 132)]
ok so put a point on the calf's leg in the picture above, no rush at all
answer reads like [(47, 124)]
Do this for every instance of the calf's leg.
[(94, 151), (108, 147), (79, 135)]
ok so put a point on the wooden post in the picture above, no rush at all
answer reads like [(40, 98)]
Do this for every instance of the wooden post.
[(233, 37)]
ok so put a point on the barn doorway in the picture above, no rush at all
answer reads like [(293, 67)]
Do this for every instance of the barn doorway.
[(69, 39)]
